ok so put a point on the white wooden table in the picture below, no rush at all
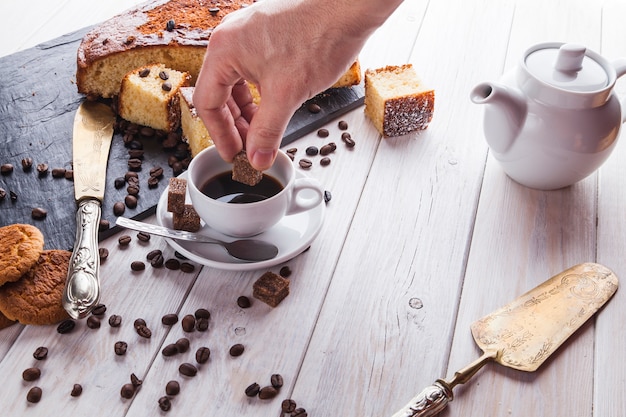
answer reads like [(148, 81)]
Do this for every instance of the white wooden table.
[(424, 234)]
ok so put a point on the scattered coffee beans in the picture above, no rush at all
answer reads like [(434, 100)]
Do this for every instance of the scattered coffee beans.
[(253, 389), (39, 213), (189, 323), (77, 389), (66, 326), (27, 164), (243, 302), (127, 391), (343, 125), (268, 392), (138, 323), (312, 150), (40, 353), (103, 253), (137, 266), (34, 395), (170, 350), (313, 108), (202, 325), (119, 183), (187, 268), (169, 319), (172, 264), (115, 320), (276, 380), (203, 354), (135, 381), (305, 163), (299, 412), (58, 172), (144, 331), (93, 322), (130, 201), (143, 236), (99, 310), (325, 161), (323, 133), (6, 169), (172, 388), (182, 344), (285, 271), (120, 348), (124, 240), (31, 374), (188, 369), (119, 208), (288, 406), (165, 404), (236, 350), (42, 169), (202, 313)]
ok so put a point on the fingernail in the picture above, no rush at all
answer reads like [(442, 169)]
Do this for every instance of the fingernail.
[(263, 158)]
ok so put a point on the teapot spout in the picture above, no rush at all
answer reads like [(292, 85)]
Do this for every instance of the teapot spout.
[(505, 113)]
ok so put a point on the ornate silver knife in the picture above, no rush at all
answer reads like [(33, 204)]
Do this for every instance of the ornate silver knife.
[(93, 132)]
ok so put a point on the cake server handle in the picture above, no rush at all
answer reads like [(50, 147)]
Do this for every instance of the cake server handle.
[(82, 288)]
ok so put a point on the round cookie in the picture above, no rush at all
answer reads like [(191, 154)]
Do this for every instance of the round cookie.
[(20, 247), (36, 298)]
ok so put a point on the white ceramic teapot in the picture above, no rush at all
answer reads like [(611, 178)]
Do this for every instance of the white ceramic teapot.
[(555, 118)]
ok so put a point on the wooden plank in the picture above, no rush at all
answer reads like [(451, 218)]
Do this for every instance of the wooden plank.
[(387, 321), (521, 238), (608, 375)]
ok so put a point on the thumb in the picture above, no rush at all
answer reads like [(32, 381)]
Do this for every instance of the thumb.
[(266, 132)]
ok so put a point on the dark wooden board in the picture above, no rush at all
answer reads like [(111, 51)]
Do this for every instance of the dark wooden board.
[(38, 99)]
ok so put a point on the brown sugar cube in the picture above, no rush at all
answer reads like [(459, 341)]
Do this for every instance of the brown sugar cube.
[(270, 288), (188, 220), (244, 172), (176, 195)]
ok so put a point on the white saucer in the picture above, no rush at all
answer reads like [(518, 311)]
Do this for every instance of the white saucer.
[(293, 234)]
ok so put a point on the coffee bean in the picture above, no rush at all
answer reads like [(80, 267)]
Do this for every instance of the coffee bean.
[(120, 348), (13, 196), (203, 354), (118, 208), (253, 389), (202, 325), (99, 310), (327, 149), (268, 392), (143, 236), (285, 271), (157, 261), (144, 72), (40, 353), (343, 125), (144, 332), (77, 389), (166, 86), (27, 164), (182, 344), (137, 266), (156, 172), (103, 225), (172, 264), (124, 240), (103, 253), (325, 161), (327, 196), (130, 201), (153, 182), (288, 406), (34, 395), (164, 75), (127, 391), (153, 253), (131, 176), (169, 319), (93, 322), (292, 151), (348, 141), (170, 25), (135, 153), (186, 267), (147, 131), (243, 301), (323, 133), (305, 163), (115, 320), (42, 169), (313, 108), (202, 313), (189, 323), (138, 323), (6, 169), (135, 381), (66, 326), (39, 213), (165, 404), (31, 374), (119, 183), (179, 255), (312, 150), (58, 173), (133, 190), (172, 388), (177, 169), (299, 412), (188, 369), (134, 164), (276, 380), (170, 350), (236, 350)]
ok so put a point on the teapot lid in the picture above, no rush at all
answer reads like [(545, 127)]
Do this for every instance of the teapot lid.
[(567, 66)]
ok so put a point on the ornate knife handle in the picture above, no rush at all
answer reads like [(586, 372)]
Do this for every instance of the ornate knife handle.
[(82, 288), (430, 402)]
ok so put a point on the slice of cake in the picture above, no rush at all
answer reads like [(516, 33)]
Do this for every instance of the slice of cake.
[(397, 101), (149, 97), (194, 131)]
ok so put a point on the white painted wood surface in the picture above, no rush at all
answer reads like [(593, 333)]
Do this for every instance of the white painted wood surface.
[(424, 235)]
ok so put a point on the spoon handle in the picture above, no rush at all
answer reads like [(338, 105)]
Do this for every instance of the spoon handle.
[(163, 231)]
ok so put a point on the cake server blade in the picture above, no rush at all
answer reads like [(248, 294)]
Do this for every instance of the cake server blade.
[(92, 135), (524, 333)]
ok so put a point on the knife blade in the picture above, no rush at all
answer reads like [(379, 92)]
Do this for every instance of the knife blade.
[(524, 333), (91, 142)]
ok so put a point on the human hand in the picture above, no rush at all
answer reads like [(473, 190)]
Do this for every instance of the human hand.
[(290, 50)]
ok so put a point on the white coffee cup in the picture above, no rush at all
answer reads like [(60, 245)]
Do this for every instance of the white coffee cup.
[(249, 219)]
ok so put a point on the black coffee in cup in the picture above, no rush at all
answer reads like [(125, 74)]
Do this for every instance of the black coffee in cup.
[(222, 187)]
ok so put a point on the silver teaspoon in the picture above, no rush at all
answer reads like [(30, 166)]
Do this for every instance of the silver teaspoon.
[(253, 250)]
